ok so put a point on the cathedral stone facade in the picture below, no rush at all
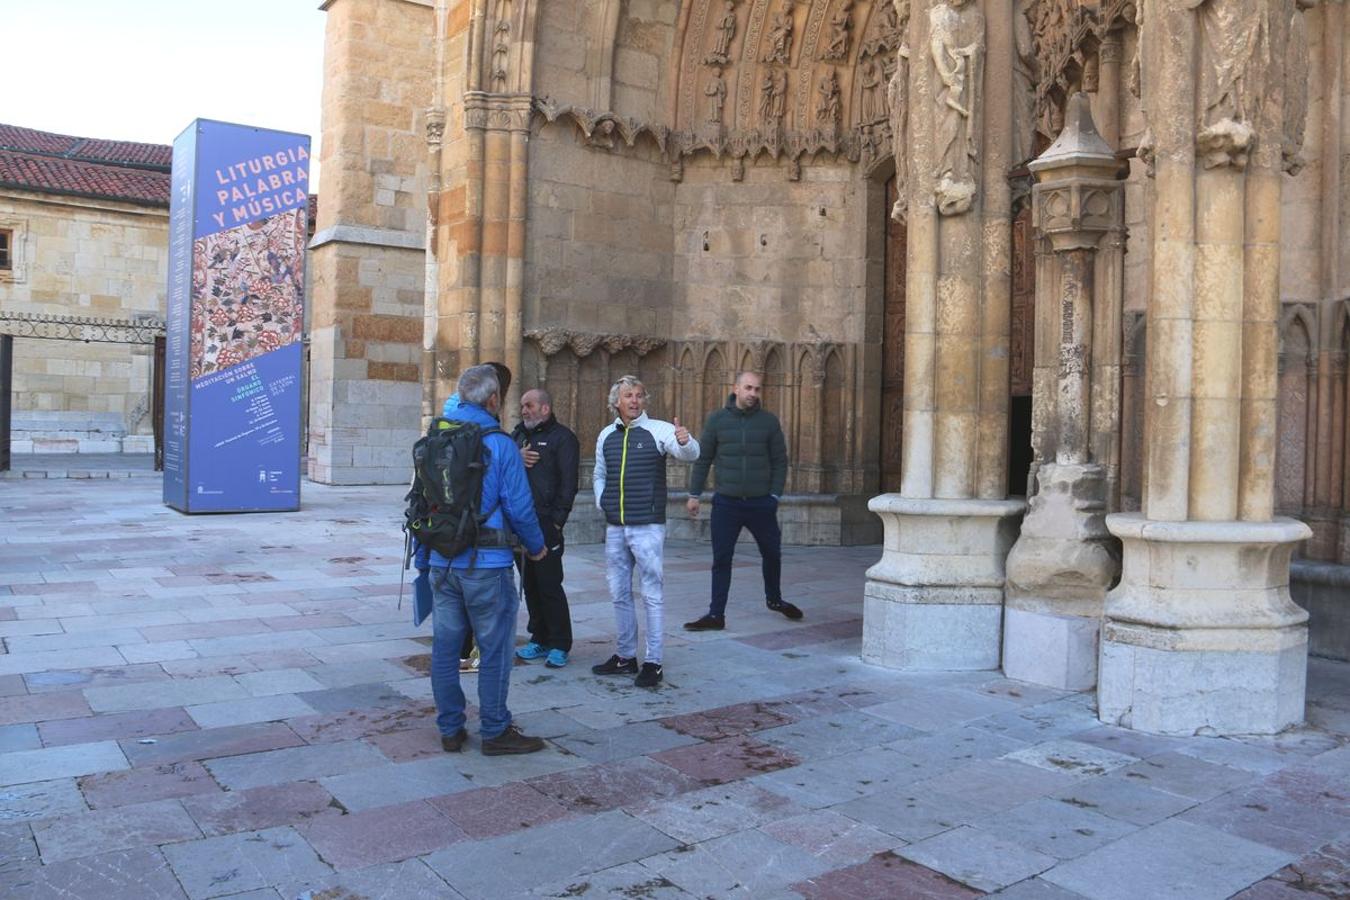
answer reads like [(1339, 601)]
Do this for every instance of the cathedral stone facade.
[(1052, 287)]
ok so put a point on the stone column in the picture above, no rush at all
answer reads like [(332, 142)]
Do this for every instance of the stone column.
[(1064, 560), (1201, 635), (934, 600)]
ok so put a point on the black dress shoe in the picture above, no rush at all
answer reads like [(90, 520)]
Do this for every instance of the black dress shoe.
[(511, 741), (453, 743), (707, 623), (785, 608)]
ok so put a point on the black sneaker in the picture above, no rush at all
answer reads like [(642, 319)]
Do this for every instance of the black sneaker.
[(785, 608), (512, 741), (616, 665), (650, 676), (453, 743), (707, 623)]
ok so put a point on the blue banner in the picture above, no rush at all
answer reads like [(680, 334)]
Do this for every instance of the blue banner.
[(238, 230)]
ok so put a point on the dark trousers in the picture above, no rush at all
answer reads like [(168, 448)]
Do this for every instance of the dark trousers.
[(729, 516), (550, 622)]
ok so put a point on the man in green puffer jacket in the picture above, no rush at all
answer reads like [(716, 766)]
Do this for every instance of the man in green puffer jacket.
[(745, 443)]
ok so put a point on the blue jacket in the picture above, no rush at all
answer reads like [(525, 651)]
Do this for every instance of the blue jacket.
[(506, 490)]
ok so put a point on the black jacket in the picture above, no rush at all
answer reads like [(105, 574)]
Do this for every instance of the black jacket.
[(553, 480), (748, 449)]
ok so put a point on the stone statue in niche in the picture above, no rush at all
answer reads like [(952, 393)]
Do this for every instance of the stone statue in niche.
[(726, 31), (780, 37), (841, 24), (873, 108), (897, 97), (716, 92), (773, 97), (827, 99), (1023, 84), (500, 49), (956, 47), (1295, 89), (1235, 60)]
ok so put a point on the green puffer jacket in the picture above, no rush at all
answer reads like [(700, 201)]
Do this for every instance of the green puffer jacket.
[(749, 450)]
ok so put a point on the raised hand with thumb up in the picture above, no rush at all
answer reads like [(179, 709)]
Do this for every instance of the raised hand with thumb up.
[(681, 433)]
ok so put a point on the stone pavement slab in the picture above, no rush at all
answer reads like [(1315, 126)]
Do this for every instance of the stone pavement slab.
[(383, 835), (164, 782), (884, 875), (293, 764), (494, 811), (628, 880), (23, 766), (715, 811), (211, 744), (1169, 859), (259, 808), (977, 858), (1057, 829), (831, 837), (742, 864), (124, 875), (411, 880), (116, 726), (118, 828), (40, 800), (220, 866), (19, 737), (397, 783)]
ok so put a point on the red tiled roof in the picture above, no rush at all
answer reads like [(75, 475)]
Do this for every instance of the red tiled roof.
[(126, 153)]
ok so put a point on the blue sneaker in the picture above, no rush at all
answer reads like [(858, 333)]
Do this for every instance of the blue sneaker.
[(556, 659), (532, 651)]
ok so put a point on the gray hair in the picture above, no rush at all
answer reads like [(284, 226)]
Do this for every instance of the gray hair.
[(545, 398), (477, 385), (626, 381)]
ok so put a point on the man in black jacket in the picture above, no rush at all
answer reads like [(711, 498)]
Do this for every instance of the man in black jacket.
[(746, 444), (552, 456)]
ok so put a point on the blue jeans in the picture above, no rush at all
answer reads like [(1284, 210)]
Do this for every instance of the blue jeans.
[(641, 547), (484, 599), (729, 516)]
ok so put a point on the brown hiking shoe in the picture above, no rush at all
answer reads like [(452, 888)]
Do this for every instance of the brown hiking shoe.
[(512, 741), (453, 743)]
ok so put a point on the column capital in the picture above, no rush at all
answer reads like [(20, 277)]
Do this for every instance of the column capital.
[(1074, 201)]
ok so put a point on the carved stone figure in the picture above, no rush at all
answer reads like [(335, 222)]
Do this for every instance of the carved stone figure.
[(1235, 60), (766, 97), (827, 99), (873, 109), (1024, 83), (500, 50), (1296, 89), (726, 31), (897, 95), (780, 37), (841, 24), (716, 92), (773, 97), (956, 47)]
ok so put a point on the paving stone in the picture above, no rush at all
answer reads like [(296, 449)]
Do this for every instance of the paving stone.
[(293, 764), (1036, 889), (941, 708), (1267, 815), (108, 830), (17, 850), (742, 864), (730, 759), (977, 858), (836, 733), (397, 783), (911, 813), (366, 671), (19, 737), (727, 721), (1072, 758), (116, 726), (79, 640), (611, 785), (42, 708), (414, 743), (1169, 859), (712, 812), (220, 866), (245, 712), (21, 663), (490, 771), (265, 807), (1057, 829), (1185, 776), (1270, 889), (515, 863), (213, 743), (1125, 800), (884, 875), (278, 681), (98, 676), (411, 880), (1236, 755), (997, 784), (623, 742), (628, 880), (1043, 722), (1325, 871), (168, 781), (1317, 789), (158, 652), (836, 780), (833, 838), (494, 811), (384, 835), (12, 685), (177, 692), (1131, 743), (23, 766), (355, 697), (925, 757), (40, 800), (371, 650), (359, 723), (125, 875)]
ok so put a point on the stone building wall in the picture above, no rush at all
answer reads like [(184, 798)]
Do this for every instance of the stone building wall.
[(94, 258)]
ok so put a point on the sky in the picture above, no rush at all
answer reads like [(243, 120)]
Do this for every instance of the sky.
[(141, 70)]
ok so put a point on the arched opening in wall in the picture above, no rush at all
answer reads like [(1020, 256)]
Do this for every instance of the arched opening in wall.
[(835, 410), (892, 346), (773, 397), (716, 382), (1021, 351), (1292, 416)]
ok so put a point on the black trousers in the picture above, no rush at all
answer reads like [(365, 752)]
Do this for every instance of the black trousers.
[(550, 622), (760, 516)]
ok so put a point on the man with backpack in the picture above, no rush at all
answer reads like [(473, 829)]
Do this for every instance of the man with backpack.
[(470, 497)]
